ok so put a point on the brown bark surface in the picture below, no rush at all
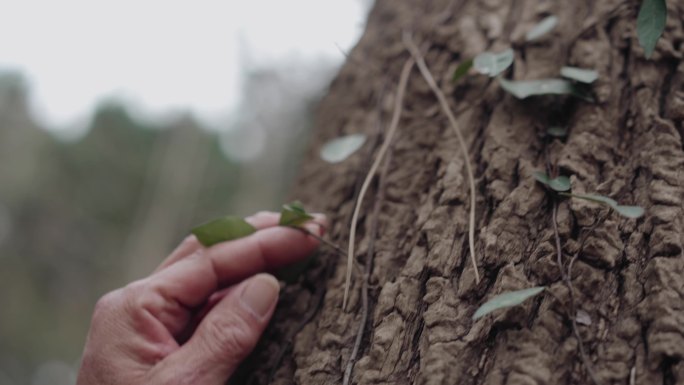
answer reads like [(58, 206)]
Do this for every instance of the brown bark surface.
[(629, 277)]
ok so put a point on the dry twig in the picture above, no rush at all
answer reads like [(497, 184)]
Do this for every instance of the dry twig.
[(398, 105), (415, 52), (367, 271)]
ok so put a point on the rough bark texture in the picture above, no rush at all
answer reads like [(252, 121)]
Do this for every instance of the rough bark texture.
[(629, 276)]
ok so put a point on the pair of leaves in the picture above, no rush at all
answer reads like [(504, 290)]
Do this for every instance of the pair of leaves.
[(492, 64), (651, 24), (341, 148), (560, 183), (229, 227), (512, 298), (624, 210)]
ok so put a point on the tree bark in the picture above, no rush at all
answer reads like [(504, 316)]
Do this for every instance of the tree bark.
[(422, 294)]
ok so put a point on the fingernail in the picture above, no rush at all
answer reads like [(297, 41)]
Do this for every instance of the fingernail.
[(260, 294)]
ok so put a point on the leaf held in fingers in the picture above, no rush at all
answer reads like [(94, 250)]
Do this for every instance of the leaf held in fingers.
[(558, 132), (579, 74), (651, 24), (293, 214), (561, 183), (492, 64), (542, 28), (222, 230), (340, 149), (504, 300), (462, 70)]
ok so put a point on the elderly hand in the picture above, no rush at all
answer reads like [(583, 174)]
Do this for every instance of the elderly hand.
[(198, 315)]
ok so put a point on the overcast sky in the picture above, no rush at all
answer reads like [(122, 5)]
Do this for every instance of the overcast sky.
[(163, 55)]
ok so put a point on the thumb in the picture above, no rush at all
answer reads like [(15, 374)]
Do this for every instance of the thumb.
[(225, 337)]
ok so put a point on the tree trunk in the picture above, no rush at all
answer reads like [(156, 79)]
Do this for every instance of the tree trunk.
[(628, 277)]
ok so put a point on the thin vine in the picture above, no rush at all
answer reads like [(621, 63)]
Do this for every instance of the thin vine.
[(398, 106), (425, 71)]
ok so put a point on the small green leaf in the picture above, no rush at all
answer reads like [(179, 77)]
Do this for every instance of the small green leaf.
[(542, 28), (626, 211), (561, 183), (526, 88), (558, 132), (340, 149), (579, 74), (542, 177), (651, 24), (509, 299), (222, 229), (629, 211), (293, 214), (492, 64), (462, 69), (595, 198)]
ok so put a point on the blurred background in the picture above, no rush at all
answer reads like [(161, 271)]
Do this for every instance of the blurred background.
[(123, 124)]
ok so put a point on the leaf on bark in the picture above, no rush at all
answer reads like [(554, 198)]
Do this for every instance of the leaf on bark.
[(504, 300), (651, 24), (340, 149)]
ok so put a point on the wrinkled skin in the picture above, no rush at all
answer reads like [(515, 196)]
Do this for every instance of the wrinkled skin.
[(196, 317)]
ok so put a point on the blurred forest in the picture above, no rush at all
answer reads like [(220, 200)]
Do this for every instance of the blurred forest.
[(80, 218)]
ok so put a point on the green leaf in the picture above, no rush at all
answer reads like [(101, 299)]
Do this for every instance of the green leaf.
[(462, 69), (526, 88), (542, 28), (558, 132), (492, 64), (509, 299), (626, 211), (222, 229), (293, 214), (651, 24), (561, 183), (629, 211), (340, 149), (595, 198), (579, 74)]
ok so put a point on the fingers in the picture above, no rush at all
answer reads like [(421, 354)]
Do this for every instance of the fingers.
[(225, 336), (260, 220), (188, 283), (189, 245)]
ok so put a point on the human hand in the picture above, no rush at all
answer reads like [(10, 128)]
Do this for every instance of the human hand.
[(198, 315)]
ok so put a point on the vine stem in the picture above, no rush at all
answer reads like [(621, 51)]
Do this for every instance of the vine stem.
[(568, 283), (398, 105), (425, 71), (320, 239), (379, 196)]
